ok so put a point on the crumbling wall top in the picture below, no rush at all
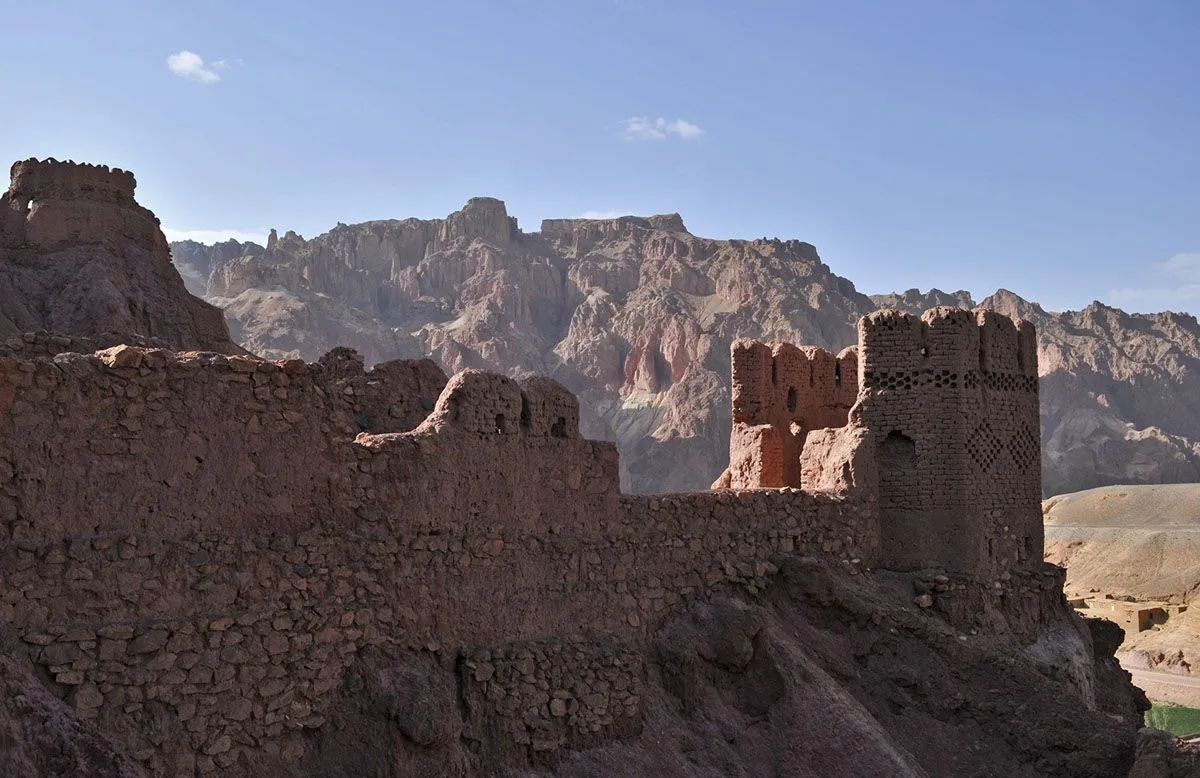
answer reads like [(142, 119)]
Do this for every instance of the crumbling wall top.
[(49, 179), (486, 403), (949, 339)]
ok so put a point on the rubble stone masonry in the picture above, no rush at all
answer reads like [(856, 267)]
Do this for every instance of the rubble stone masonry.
[(197, 547)]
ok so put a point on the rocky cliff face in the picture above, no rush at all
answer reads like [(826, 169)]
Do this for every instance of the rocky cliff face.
[(80, 257), (636, 315)]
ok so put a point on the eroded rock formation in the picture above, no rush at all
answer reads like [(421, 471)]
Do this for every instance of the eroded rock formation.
[(79, 257), (635, 316)]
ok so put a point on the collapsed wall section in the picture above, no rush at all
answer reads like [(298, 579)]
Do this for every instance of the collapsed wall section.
[(951, 401), (781, 393)]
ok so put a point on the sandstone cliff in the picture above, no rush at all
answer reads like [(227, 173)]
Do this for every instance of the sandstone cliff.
[(80, 257), (636, 316)]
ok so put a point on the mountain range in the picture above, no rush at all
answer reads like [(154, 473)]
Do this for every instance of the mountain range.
[(636, 316)]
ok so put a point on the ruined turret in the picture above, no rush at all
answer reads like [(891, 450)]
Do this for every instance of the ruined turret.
[(935, 418), (79, 257), (50, 205)]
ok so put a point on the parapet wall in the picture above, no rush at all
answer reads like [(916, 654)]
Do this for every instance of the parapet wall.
[(49, 179), (781, 393), (147, 440)]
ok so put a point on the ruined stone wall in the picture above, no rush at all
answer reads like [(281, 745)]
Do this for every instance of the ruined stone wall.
[(199, 550), (52, 205), (201, 640), (781, 393), (148, 440), (29, 345), (951, 401), (50, 179), (198, 651)]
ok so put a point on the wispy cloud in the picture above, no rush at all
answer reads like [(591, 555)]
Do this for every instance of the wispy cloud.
[(639, 128), (1176, 286), (190, 65), (217, 236), (614, 214)]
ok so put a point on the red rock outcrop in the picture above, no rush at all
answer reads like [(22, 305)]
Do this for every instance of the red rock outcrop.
[(80, 257)]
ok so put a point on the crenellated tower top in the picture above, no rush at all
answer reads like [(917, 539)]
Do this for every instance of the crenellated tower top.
[(49, 179)]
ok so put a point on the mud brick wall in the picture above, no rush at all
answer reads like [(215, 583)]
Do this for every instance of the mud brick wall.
[(782, 392), (951, 401), (53, 204), (147, 440)]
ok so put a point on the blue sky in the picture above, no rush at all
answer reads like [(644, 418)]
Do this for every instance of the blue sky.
[(1049, 147)]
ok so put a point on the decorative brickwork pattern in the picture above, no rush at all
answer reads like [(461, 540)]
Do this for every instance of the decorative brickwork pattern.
[(962, 388)]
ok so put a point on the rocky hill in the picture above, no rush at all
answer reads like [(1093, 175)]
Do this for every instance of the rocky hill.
[(79, 257), (636, 315)]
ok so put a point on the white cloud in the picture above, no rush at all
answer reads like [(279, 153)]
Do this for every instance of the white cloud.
[(638, 128), (603, 214), (1178, 289), (1185, 266), (217, 236), (189, 65)]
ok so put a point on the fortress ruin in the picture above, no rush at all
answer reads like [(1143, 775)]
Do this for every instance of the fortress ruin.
[(204, 553), (51, 205), (933, 419), (195, 547)]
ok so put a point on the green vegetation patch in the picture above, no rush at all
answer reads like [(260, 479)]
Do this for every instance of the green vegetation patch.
[(1174, 718)]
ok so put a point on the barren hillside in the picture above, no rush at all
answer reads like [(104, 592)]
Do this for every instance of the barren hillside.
[(1137, 542)]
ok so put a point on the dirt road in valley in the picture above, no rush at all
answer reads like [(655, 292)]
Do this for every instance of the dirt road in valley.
[(1168, 687)]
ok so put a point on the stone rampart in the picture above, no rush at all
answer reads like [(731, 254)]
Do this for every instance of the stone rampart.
[(199, 550)]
